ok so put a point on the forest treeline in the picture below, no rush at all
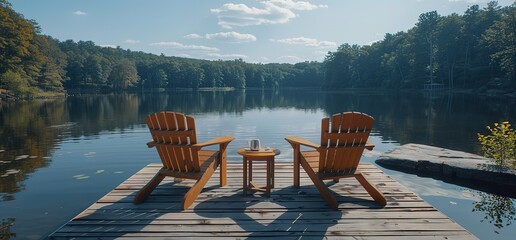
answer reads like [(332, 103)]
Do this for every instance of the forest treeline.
[(32, 63), (469, 51)]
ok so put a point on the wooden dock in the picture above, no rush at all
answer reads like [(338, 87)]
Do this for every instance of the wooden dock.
[(290, 213)]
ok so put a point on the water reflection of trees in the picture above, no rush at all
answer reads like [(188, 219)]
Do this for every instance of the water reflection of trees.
[(26, 141), (5, 228), (96, 113), (440, 119), (500, 211), (34, 128), (232, 101), (30, 130)]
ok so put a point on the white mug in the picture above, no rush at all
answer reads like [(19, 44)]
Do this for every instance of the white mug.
[(254, 144)]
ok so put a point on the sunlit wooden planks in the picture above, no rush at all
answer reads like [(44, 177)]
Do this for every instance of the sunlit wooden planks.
[(289, 214)]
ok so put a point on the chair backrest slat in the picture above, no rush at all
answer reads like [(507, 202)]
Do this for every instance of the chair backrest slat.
[(167, 137), (164, 155), (181, 126), (343, 143), (191, 127), (175, 134), (170, 121), (347, 139)]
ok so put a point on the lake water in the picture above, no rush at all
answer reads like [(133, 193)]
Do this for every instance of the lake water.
[(58, 156)]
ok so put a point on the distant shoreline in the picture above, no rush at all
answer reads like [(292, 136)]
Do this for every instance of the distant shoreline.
[(6, 96)]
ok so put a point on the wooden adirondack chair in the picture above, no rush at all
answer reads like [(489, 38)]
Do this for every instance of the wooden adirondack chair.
[(338, 154), (175, 139)]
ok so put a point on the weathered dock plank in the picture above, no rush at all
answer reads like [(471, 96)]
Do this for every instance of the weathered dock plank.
[(290, 213)]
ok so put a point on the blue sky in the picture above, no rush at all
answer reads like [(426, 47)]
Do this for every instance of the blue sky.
[(255, 30)]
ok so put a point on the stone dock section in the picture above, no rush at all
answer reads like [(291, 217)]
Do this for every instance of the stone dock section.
[(445, 163)]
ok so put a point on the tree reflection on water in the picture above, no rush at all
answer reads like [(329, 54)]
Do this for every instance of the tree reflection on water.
[(35, 128), (499, 210), (26, 141), (5, 228), (31, 131)]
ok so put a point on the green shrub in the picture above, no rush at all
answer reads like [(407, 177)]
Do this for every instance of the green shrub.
[(500, 145), (17, 83)]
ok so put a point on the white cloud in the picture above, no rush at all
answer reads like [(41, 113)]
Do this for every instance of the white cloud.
[(309, 42), (80, 13), (132, 41), (239, 15), (232, 37), (192, 36), (226, 56), (225, 36), (232, 15), (180, 46), (196, 51), (296, 5)]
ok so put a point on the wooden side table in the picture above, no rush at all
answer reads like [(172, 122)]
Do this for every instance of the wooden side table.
[(249, 157)]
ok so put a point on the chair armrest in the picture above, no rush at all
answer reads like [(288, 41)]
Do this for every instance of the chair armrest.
[(219, 140), (369, 146), (301, 141), (151, 144)]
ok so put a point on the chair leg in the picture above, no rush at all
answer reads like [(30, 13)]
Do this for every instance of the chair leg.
[(194, 191), (148, 188), (323, 189), (372, 190), (296, 164), (223, 165)]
